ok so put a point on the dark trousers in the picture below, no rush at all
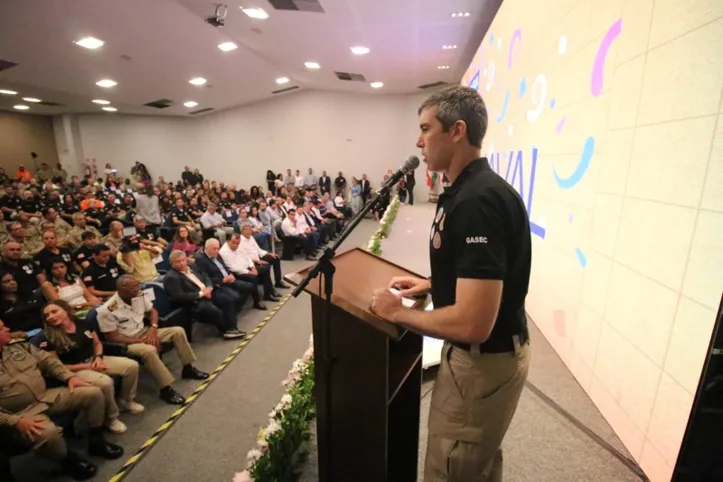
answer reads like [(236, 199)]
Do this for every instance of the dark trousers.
[(306, 242), (275, 264), (263, 279), (410, 192), (315, 238), (241, 291)]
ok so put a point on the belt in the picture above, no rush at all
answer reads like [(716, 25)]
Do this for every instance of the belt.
[(496, 346)]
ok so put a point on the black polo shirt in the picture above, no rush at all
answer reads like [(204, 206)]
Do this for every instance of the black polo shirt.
[(481, 230), (11, 202), (42, 259), (102, 278), (25, 274), (181, 214), (83, 254)]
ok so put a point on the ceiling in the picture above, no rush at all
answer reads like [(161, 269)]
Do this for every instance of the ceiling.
[(153, 47)]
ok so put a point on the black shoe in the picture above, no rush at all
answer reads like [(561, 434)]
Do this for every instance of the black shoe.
[(281, 285), (193, 373), (77, 468), (169, 395), (234, 334), (260, 306), (310, 257), (272, 297), (98, 446)]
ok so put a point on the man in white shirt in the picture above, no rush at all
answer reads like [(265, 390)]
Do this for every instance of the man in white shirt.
[(298, 181), (260, 257), (212, 219), (290, 228), (244, 269), (288, 205)]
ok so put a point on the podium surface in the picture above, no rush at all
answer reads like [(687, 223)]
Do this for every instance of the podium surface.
[(368, 376)]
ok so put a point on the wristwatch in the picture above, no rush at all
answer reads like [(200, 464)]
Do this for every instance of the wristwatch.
[(154, 325)]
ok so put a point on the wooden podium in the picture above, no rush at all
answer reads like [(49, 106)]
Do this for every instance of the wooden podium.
[(368, 377)]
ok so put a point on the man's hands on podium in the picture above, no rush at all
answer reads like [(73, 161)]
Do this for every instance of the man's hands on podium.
[(387, 304)]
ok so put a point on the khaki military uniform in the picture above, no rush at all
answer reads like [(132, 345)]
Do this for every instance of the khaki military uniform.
[(113, 243), (76, 234), (116, 315), (33, 245), (62, 231), (4, 235), (23, 393)]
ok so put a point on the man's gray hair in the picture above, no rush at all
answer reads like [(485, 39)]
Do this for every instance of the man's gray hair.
[(123, 280), (211, 242), (211, 205), (175, 254), (458, 103), (138, 217)]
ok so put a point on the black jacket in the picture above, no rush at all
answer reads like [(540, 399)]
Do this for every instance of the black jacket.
[(325, 183), (182, 290), (209, 268), (409, 179)]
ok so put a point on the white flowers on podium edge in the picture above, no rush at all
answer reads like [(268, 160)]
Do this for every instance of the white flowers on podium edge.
[(299, 372), (385, 224)]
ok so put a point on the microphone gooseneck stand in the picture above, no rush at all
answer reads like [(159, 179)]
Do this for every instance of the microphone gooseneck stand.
[(326, 267)]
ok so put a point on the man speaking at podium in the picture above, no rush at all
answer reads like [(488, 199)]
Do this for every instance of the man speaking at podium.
[(480, 258)]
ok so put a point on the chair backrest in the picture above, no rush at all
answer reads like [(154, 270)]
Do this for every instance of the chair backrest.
[(162, 303)]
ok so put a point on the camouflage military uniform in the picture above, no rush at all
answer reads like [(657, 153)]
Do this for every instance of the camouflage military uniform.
[(76, 234)]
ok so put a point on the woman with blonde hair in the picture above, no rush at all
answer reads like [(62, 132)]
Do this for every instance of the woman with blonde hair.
[(80, 350)]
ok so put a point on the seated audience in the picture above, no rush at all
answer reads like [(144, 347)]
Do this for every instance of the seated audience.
[(182, 242), (251, 249), (114, 239), (211, 219), (311, 231), (121, 323), (22, 314), (209, 302), (81, 351), (26, 406), (148, 234), (51, 251), (26, 274), (101, 276), (69, 288), (80, 225), (181, 217), (136, 259), (291, 229), (259, 233), (245, 270), (84, 253)]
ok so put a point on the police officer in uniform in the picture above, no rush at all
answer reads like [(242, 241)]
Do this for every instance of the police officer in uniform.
[(480, 262), (26, 404), (101, 275)]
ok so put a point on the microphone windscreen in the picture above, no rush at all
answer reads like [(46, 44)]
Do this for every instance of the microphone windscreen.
[(412, 163)]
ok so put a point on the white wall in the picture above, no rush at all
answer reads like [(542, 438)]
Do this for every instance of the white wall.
[(322, 130)]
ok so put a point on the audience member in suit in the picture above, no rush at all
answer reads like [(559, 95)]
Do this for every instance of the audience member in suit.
[(208, 302), (218, 270), (410, 181), (305, 227), (324, 183), (366, 188), (244, 268), (324, 229)]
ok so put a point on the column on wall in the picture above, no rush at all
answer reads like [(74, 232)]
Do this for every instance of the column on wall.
[(68, 142)]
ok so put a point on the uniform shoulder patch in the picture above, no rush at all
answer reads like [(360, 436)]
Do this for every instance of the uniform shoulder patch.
[(113, 305), (18, 341)]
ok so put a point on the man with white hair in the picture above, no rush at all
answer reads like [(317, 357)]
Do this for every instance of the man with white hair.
[(260, 257), (190, 287), (212, 219)]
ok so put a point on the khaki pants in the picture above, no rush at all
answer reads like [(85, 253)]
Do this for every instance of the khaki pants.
[(124, 367), (223, 233), (473, 401), (152, 360), (49, 443)]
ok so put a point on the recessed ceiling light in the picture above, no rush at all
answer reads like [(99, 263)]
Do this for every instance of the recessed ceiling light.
[(359, 50), (257, 13), (106, 83), (377, 85), (282, 80), (21, 107), (449, 47), (190, 104), (101, 101), (31, 99), (227, 46), (461, 14), (109, 109), (443, 67), (8, 92), (312, 65), (197, 81), (90, 43)]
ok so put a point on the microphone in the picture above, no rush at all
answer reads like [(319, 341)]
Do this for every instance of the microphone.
[(409, 165)]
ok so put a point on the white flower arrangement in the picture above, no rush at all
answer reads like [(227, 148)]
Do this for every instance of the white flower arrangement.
[(385, 224), (278, 418)]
